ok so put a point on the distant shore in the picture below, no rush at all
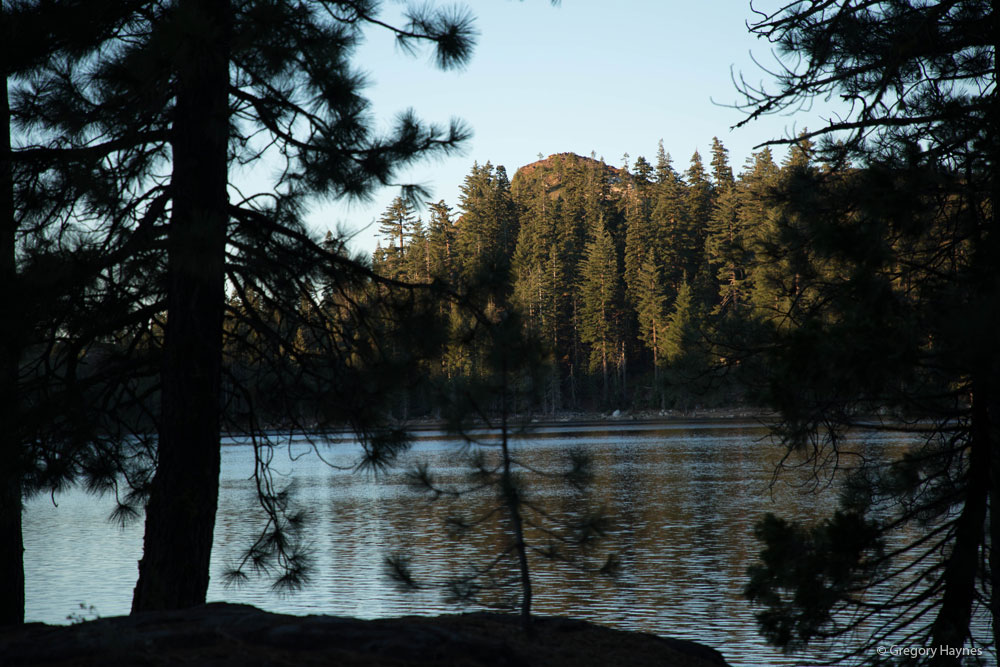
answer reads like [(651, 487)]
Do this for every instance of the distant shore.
[(740, 413)]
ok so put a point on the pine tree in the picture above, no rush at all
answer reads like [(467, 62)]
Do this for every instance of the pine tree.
[(724, 240), (639, 240), (483, 413), (890, 304), (725, 248), (681, 216), (643, 172), (417, 255), (685, 365), (532, 287), (665, 172), (396, 225), (651, 311), (677, 340), (722, 173), (441, 243), (669, 223), (561, 197), (526, 270), (697, 209), (184, 492), (191, 80), (11, 482), (488, 223), (553, 317), (759, 178), (778, 240), (600, 305), (69, 267)]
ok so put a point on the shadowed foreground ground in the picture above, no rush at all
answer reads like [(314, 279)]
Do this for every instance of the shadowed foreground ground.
[(229, 635)]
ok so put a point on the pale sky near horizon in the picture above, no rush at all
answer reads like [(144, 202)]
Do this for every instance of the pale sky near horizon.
[(582, 76)]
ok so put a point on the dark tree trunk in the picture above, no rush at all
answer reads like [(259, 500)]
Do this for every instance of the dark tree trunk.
[(11, 543), (180, 516), (994, 524), (513, 501), (994, 409), (951, 627)]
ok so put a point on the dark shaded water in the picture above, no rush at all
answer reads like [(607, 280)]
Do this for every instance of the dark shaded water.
[(684, 498)]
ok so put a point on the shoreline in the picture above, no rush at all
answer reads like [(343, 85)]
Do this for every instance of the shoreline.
[(582, 417), (221, 634), (562, 418)]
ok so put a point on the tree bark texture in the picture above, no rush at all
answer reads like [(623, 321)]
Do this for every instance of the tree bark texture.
[(180, 515)]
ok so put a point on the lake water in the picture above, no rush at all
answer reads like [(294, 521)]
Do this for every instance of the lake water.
[(683, 498)]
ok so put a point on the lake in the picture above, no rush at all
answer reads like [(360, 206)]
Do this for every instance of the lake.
[(683, 498)]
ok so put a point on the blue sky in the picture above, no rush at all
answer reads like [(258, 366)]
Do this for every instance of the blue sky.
[(582, 76)]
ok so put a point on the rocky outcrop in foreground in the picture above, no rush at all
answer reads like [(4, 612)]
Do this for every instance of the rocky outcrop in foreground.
[(228, 635)]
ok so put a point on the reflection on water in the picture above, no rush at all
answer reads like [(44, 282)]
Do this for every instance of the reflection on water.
[(683, 497)]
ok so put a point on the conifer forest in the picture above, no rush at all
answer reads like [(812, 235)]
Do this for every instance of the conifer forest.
[(620, 273), (842, 283)]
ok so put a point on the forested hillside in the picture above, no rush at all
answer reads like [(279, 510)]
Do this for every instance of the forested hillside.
[(623, 273)]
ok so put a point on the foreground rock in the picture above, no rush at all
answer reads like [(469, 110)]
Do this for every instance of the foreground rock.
[(227, 635)]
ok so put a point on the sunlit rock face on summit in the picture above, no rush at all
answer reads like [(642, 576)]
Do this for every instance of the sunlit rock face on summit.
[(561, 174)]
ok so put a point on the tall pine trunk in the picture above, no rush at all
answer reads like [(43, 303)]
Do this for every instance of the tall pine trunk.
[(951, 627), (11, 542), (180, 515), (994, 523), (993, 256)]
